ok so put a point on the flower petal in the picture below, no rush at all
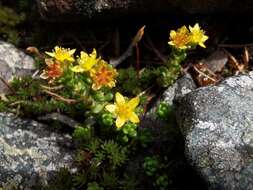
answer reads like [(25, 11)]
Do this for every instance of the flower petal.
[(49, 62), (202, 45), (57, 48), (119, 99), (70, 59), (83, 56), (111, 84), (77, 69), (72, 51), (120, 122), (95, 86), (94, 53), (51, 54), (134, 118), (111, 108), (173, 33), (205, 38), (44, 75), (196, 26), (133, 103), (171, 43)]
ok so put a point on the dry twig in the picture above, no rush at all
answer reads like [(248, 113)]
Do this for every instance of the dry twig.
[(240, 67), (203, 74), (129, 51), (57, 96), (7, 85), (52, 87)]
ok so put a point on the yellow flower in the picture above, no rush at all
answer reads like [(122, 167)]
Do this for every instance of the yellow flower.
[(197, 35), (103, 75), (124, 110), (86, 62), (180, 38), (62, 54)]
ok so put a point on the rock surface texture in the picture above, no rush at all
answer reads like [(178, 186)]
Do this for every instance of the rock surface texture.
[(30, 154), (65, 9), (181, 87), (13, 62), (217, 123)]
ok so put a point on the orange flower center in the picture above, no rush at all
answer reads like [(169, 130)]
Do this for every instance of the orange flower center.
[(124, 111), (103, 76), (54, 70), (181, 40)]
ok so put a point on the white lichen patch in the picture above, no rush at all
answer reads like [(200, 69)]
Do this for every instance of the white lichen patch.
[(29, 149), (251, 74), (206, 125), (220, 89), (33, 153), (185, 90), (244, 82)]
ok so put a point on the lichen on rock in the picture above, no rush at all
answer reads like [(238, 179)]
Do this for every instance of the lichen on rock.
[(31, 153), (217, 123)]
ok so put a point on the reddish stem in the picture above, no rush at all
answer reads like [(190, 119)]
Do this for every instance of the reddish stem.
[(137, 60)]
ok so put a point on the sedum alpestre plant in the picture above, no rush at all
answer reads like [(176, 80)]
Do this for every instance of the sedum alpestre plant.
[(88, 89)]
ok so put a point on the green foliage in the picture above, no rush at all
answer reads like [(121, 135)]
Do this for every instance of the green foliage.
[(115, 153), (82, 134), (26, 88), (100, 161), (107, 119), (169, 73), (31, 100), (129, 131), (94, 186), (110, 180), (145, 137), (150, 165), (162, 182), (9, 19), (3, 106), (163, 111), (154, 168), (128, 183), (130, 83), (63, 180)]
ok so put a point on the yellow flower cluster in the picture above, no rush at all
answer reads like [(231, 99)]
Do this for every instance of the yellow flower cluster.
[(56, 64), (185, 38), (101, 73)]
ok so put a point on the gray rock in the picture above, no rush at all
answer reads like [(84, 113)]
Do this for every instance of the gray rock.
[(13, 62), (181, 87), (216, 61), (217, 123), (30, 154), (65, 9)]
